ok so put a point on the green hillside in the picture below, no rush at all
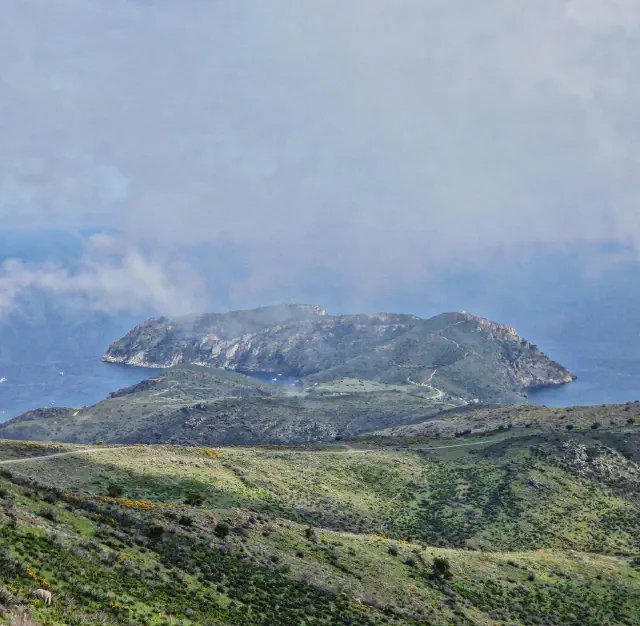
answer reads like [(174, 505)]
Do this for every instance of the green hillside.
[(191, 404), (510, 528)]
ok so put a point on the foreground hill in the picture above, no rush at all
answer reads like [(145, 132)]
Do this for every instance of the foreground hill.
[(530, 528), (457, 355), (192, 404)]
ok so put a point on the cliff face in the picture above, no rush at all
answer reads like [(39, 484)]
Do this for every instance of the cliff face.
[(455, 355)]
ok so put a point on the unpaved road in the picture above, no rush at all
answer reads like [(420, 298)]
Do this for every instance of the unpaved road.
[(57, 455), (349, 450)]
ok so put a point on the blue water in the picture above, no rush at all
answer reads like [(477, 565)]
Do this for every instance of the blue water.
[(73, 383), (602, 377), (274, 379)]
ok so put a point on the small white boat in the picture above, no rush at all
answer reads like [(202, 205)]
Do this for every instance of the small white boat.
[(61, 373), (3, 380), (274, 380)]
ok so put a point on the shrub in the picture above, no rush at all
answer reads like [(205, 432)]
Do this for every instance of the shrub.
[(569, 426), (185, 520), (221, 530), (194, 498), (6, 597), (631, 420), (595, 425), (393, 549), (155, 531), (50, 498), (49, 513), (441, 567), (115, 491)]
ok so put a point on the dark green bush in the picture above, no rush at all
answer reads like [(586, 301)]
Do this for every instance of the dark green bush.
[(441, 567), (49, 513), (115, 491), (221, 530), (194, 498)]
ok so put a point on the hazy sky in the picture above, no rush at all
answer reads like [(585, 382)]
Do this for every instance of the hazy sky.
[(377, 142)]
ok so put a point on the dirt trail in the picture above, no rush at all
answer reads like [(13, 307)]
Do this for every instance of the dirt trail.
[(57, 455), (349, 450)]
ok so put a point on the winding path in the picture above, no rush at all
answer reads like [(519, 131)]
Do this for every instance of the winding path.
[(58, 455), (349, 450)]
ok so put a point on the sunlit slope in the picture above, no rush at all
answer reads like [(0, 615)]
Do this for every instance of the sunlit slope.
[(338, 535)]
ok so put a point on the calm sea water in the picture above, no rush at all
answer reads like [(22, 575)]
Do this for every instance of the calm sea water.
[(604, 376), (274, 379), (73, 383)]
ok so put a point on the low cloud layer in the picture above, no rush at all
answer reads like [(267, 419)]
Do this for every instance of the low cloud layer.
[(375, 141), (109, 277)]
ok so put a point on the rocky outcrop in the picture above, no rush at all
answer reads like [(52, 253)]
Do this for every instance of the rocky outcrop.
[(44, 414), (455, 355)]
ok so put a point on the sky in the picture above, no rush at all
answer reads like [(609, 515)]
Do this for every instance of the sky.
[(221, 154)]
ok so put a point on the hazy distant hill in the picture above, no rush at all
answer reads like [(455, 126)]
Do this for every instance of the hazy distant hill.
[(455, 355)]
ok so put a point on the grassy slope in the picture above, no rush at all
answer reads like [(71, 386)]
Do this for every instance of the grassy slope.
[(191, 404), (532, 535), (137, 409), (475, 420)]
